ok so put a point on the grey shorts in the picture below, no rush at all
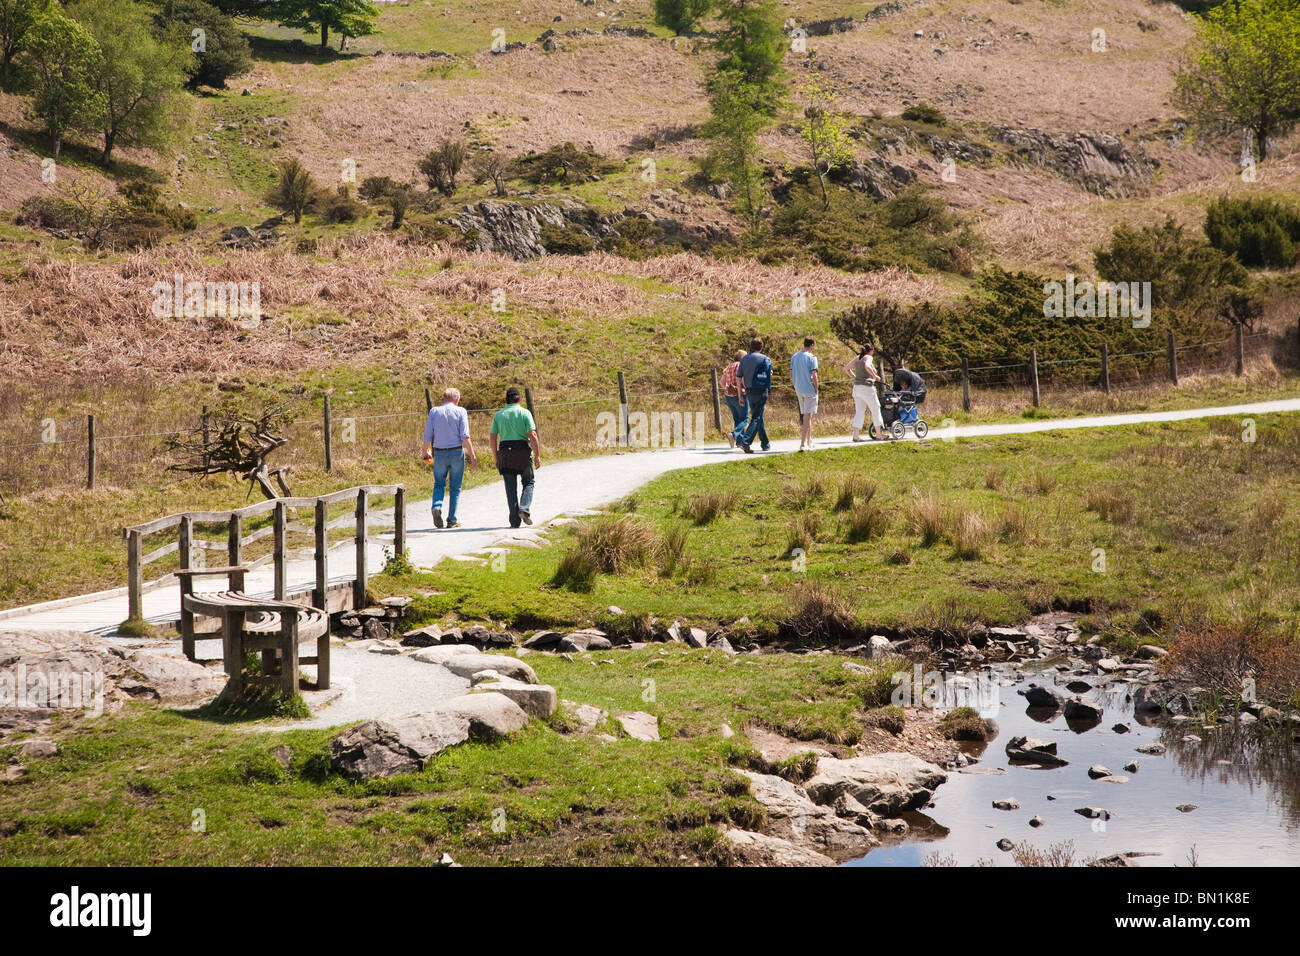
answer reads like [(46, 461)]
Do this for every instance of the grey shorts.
[(807, 403)]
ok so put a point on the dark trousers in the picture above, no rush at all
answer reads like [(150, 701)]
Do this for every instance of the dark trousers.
[(519, 486), (753, 424)]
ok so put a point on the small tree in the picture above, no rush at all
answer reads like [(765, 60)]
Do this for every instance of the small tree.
[(494, 168), (140, 75), (400, 199), (220, 49), (441, 166), (681, 16), (352, 18), (293, 191), (64, 63), (1244, 69), (17, 17), (752, 46), (893, 327), (734, 128), (825, 132)]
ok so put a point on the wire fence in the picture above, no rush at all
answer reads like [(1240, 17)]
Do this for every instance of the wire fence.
[(66, 451)]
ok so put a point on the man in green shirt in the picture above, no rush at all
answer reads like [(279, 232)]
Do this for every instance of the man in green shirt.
[(517, 453)]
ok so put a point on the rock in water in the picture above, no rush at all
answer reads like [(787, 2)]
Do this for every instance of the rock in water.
[(1076, 708), (1006, 803), (1097, 771), (1027, 750), (1037, 696)]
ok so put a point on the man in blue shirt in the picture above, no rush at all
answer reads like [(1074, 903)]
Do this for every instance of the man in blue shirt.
[(755, 376), (446, 443), (803, 375)]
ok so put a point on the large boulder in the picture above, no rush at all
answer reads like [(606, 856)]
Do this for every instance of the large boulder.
[(491, 716), (536, 700), (381, 748), (1076, 708), (467, 664), (886, 784), (759, 849), (792, 815)]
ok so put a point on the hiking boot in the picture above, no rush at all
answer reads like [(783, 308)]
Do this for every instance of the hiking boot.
[(528, 519), (437, 517), (453, 524), (746, 449)]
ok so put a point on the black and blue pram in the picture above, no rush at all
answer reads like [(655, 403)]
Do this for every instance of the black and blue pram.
[(898, 410)]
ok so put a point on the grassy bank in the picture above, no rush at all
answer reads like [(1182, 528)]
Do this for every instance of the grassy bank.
[(124, 789), (1145, 530)]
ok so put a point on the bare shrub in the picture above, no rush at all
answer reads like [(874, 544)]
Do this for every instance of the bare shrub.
[(1222, 658)]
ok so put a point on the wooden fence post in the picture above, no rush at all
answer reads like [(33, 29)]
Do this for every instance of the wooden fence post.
[(717, 402), (359, 586), (329, 448), (207, 433), (1105, 368), (428, 401), (528, 400), (235, 551), (134, 575), (1241, 349), (1033, 374), (90, 452), (965, 384), (281, 557), (185, 551), (1173, 359), (399, 521), (322, 554), (622, 410)]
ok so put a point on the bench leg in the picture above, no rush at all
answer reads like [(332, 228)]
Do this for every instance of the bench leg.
[(187, 619), (234, 642), (323, 662), (289, 652)]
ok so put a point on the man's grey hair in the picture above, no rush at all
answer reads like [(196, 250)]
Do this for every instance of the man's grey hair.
[(451, 395)]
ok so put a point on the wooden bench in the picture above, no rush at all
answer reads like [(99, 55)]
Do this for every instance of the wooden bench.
[(248, 624)]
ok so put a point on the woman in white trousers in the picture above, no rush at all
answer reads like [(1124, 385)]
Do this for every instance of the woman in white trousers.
[(863, 372)]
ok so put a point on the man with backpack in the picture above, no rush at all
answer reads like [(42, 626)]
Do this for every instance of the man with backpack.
[(755, 375)]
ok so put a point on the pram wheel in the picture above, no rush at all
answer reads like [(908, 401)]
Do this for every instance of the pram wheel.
[(922, 429), (897, 430)]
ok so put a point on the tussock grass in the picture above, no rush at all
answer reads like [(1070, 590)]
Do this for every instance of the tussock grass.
[(1113, 503), (994, 478), (867, 520), (890, 718), (804, 528), (1013, 523), (1039, 481), (968, 532), (819, 613), (855, 489), (925, 517), (702, 509)]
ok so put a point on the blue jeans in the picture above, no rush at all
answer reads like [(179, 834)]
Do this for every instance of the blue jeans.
[(753, 424), (448, 469)]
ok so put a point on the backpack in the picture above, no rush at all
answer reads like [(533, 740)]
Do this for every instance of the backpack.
[(763, 376)]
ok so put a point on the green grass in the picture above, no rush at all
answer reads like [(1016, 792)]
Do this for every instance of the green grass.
[(124, 789), (1211, 532)]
